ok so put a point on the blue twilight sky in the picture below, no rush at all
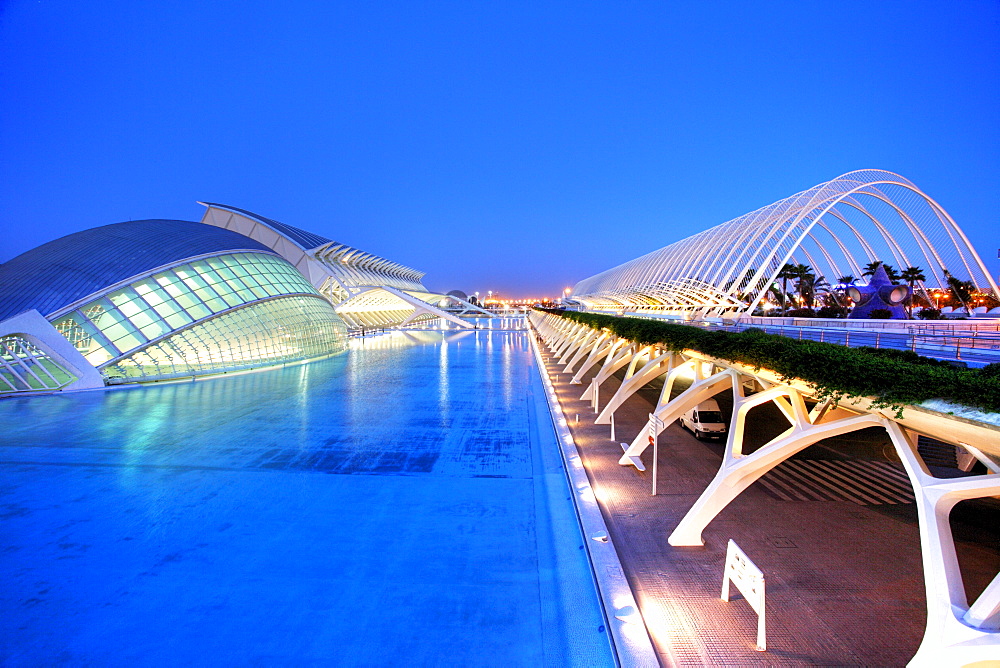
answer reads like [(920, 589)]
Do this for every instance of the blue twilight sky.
[(507, 146)]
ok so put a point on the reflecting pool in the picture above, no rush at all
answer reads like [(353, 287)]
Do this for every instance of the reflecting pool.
[(402, 504)]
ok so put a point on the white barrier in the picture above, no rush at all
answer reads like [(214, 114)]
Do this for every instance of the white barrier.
[(750, 581)]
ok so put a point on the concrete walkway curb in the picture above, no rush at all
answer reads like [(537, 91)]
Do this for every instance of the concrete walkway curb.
[(630, 637)]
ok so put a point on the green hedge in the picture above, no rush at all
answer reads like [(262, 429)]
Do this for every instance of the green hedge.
[(894, 378)]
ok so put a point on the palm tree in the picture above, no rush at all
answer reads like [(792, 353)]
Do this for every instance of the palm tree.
[(961, 290), (787, 272), (802, 272), (871, 267), (809, 286), (911, 275), (819, 286)]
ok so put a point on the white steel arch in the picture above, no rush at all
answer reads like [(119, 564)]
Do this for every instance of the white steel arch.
[(844, 223)]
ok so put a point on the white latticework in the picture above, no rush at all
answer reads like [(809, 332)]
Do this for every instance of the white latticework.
[(24, 367), (836, 228)]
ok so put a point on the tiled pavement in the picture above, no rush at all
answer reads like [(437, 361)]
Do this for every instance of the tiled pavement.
[(844, 574)]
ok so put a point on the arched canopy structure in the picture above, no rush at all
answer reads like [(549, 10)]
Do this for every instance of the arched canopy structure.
[(836, 228)]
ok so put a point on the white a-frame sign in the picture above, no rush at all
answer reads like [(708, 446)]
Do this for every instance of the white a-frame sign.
[(750, 581)]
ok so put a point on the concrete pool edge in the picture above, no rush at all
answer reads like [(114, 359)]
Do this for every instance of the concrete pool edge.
[(629, 637)]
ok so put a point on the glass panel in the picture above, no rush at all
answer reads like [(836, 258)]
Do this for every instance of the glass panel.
[(178, 320), (115, 331), (165, 278), (95, 310), (127, 301), (238, 269), (273, 332), (128, 341), (193, 280), (26, 367), (226, 273), (166, 308), (144, 319), (233, 299), (195, 308), (154, 329), (175, 289), (246, 294), (153, 306), (187, 300), (217, 304), (151, 292), (86, 338)]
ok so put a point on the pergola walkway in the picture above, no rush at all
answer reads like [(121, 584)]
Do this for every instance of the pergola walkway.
[(844, 580)]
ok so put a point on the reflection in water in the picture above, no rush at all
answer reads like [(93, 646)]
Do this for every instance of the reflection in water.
[(397, 401), (443, 373), (397, 476)]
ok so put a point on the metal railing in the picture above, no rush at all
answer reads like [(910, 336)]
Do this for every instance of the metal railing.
[(963, 340), (963, 346)]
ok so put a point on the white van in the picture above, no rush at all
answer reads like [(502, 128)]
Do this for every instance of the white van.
[(705, 420)]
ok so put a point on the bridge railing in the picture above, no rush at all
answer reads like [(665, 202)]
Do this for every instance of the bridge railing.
[(964, 340), (945, 345)]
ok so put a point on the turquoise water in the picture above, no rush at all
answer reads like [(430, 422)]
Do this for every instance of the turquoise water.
[(402, 504)]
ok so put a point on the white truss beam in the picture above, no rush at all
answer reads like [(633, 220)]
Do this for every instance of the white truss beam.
[(957, 633)]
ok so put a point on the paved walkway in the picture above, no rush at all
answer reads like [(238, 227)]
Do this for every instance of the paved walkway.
[(844, 575)]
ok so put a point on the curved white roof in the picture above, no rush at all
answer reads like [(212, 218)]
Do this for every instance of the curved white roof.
[(836, 227)]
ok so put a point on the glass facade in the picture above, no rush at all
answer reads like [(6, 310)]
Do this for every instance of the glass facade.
[(149, 308), (127, 326), (24, 368), (275, 331)]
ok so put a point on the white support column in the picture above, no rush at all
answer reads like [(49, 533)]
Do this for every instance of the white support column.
[(657, 366), (35, 329), (618, 356), (670, 411), (587, 349), (739, 471), (957, 634), (558, 332), (985, 612), (579, 339), (548, 327), (601, 347), (566, 337), (691, 366), (982, 457)]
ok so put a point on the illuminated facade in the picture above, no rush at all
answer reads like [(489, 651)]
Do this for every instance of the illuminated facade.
[(154, 300), (837, 228)]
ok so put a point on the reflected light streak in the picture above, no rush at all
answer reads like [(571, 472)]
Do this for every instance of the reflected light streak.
[(443, 375)]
